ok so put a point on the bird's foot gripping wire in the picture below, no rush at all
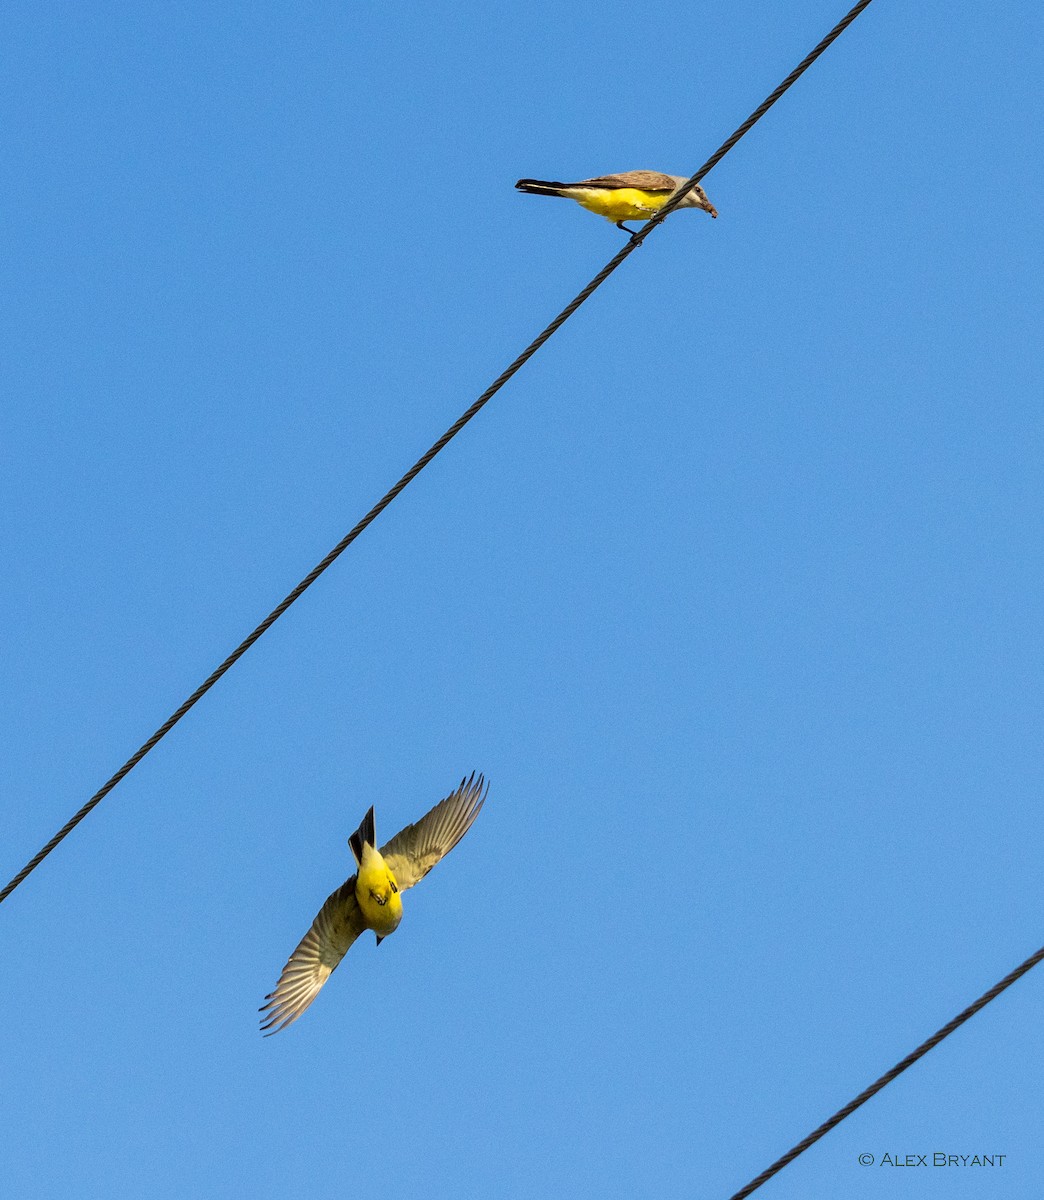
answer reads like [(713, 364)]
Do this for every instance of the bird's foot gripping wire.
[(631, 233)]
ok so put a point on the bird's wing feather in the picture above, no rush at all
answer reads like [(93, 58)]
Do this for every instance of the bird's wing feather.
[(647, 181), (337, 924), (413, 851)]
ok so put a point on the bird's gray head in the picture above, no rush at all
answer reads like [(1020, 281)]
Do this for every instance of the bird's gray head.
[(695, 197)]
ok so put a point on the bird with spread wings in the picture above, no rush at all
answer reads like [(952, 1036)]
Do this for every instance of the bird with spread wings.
[(371, 898)]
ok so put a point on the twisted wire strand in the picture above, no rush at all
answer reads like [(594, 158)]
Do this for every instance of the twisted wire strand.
[(888, 1076), (750, 122), (426, 458)]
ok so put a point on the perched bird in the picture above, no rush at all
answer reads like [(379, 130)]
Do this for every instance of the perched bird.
[(371, 899), (632, 196)]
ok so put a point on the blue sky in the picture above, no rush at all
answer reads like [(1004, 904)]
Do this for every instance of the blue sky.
[(734, 594)]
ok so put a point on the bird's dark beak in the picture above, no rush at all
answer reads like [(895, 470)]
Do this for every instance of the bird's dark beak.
[(380, 938), (711, 209)]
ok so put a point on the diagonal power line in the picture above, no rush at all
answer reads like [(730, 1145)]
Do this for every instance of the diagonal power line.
[(888, 1076), (426, 458)]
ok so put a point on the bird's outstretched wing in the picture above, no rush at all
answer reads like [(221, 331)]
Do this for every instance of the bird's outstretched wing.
[(338, 923), (413, 851), (646, 181)]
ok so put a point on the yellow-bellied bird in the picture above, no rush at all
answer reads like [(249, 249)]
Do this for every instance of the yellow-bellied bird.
[(630, 196), (371, 899)]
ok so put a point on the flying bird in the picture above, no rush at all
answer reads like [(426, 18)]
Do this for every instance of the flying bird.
[(631, 196), (371, 898)]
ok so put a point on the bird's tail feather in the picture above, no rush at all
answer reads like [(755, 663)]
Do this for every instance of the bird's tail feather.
[(541, 187), (362, 836)]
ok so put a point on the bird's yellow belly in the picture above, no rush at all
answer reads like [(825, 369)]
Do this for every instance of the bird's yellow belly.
[(381, 918), (381, 906), (621, 204)]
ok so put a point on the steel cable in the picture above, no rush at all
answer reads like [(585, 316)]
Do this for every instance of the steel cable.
[(888, 1076), (426, 458)]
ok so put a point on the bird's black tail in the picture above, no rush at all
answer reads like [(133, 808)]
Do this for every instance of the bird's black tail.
[(541, 187), (364, 834)]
